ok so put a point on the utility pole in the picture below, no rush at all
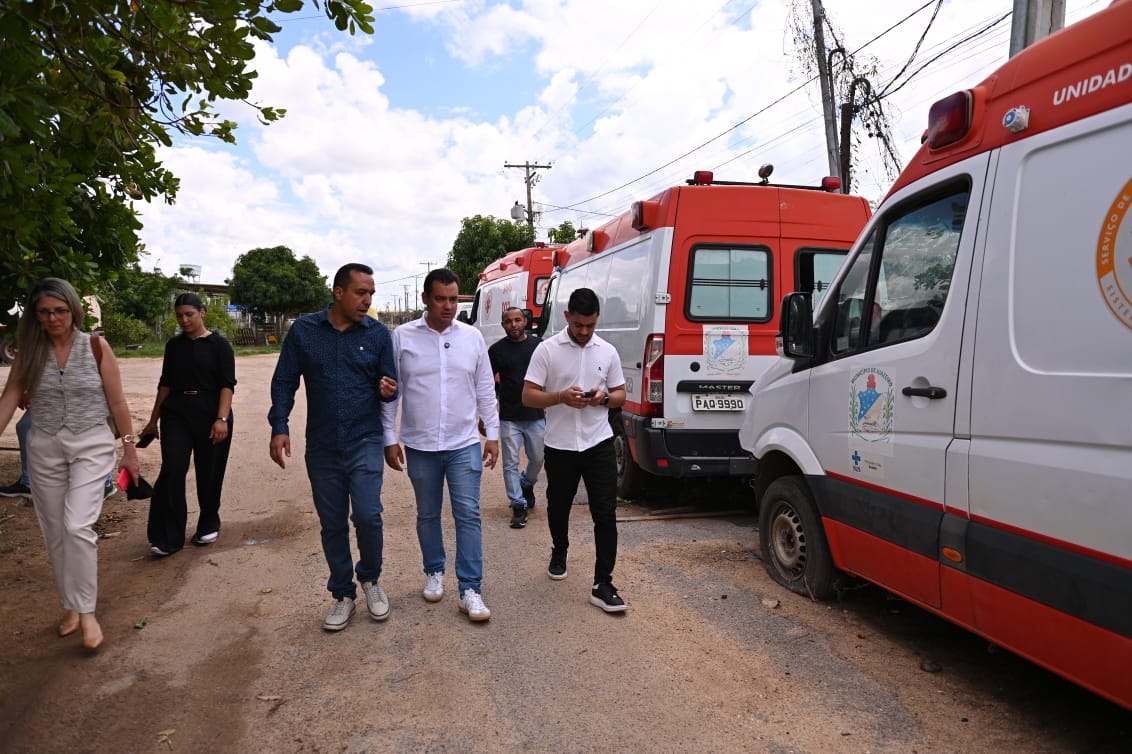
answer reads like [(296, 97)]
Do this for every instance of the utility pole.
[(405, 288), (428, 269), (826, 79), (1032, 20), (530, 178)]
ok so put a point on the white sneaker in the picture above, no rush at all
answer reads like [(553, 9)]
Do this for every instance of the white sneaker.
[(339, 615), (376, 600), (434, 588), (471, 604)]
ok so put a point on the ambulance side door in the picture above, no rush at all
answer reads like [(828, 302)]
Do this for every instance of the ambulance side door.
[(883, 403)]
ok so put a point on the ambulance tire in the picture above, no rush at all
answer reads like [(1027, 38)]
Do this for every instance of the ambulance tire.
[(630, 476), (793, 542), (7, 351)]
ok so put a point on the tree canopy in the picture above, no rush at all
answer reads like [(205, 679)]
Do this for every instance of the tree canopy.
[(275, 282), (88, 89), (563, 234), (140, 295), (480, 242)]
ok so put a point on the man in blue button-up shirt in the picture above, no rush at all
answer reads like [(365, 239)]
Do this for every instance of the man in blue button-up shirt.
[(345, 358)]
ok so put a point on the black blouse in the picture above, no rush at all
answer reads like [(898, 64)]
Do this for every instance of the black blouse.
[(206, 364)]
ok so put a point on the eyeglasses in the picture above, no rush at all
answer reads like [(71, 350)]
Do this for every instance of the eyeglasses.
[(61, 312)]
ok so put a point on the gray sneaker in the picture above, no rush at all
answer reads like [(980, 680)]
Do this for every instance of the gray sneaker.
[(340, 613), (376, 600)]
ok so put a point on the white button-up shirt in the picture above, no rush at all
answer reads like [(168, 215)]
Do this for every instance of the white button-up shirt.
[(559, 363), (444, 380)]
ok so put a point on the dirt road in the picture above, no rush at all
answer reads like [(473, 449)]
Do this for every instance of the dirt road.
[(221, 649)]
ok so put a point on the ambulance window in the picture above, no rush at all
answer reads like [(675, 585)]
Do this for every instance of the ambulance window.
[(729, 283), (917, 259), (541, 284), (814, 271), (909, 282), (851, 301)]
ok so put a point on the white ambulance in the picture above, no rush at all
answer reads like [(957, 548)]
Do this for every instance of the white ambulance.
[(954, 423), (688, 282)]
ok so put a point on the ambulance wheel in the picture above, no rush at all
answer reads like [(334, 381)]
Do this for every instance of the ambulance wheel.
[(630, 476), (793, 542), (8, 352)]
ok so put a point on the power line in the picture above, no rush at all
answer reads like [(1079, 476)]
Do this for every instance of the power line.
[(890, 29)]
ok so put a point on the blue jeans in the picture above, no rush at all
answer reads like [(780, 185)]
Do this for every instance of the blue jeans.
[(22, 427), (341, 480), (463, 469), (530, 434)]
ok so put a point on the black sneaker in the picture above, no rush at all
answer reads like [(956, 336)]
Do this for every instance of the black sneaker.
[(528, 493), (16, 489), (557, 569), (606, 597), (518, 517)]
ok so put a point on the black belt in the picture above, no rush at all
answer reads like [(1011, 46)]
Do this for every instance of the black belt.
[(195, 392)]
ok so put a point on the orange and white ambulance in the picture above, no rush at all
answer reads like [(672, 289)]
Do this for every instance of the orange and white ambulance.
[(688, 281), (954, 423), (516, 279)]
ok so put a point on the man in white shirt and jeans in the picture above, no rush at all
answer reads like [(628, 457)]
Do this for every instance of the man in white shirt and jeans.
[(446, 382), (576, 376)]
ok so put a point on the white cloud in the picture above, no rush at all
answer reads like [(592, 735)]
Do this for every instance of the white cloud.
[(351, 174)]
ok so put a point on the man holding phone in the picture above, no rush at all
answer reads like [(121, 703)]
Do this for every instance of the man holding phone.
[(576, 377)]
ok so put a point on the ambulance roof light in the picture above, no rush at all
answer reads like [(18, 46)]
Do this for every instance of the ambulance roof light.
[(831, 183), (765, 171), (949, 119), (702, 178)]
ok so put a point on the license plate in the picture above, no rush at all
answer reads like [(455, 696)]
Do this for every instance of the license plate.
[(717, 402)]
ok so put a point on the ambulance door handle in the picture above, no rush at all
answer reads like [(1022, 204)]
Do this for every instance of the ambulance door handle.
[(934, 393)]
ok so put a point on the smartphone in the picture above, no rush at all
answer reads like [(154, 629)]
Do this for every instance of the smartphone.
[(146, 439), (123, 479), (590, 393)]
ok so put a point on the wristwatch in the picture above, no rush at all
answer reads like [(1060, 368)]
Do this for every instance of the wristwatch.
[(605, 401), (221, 419), (129, 439)]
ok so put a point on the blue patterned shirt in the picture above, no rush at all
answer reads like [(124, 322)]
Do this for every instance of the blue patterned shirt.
[(342, 371)]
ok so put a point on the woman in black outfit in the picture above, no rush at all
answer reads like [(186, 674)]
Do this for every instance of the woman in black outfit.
[(194, 403)]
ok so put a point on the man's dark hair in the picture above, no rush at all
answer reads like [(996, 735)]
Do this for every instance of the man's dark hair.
[(342, 277), (583, 301), (512, 309), (442, 275)]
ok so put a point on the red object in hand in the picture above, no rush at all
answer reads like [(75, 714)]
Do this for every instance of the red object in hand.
[(123, 479)]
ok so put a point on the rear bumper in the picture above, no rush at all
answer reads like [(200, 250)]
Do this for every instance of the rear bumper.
[(686, 452)]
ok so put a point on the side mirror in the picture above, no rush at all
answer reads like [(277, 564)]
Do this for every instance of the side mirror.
[(462, 317), (796, 336)]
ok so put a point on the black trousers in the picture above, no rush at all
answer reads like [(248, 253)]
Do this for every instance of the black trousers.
[(597, 468), (184, 434)]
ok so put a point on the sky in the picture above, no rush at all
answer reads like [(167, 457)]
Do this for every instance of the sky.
[(391, 139)]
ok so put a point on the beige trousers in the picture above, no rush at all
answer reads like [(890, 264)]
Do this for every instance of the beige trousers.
[(68, 473)]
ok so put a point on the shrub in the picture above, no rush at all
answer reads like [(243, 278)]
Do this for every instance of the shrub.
[(121, 330)]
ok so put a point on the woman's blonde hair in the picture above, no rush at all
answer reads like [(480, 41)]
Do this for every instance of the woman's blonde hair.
[(32, 342)]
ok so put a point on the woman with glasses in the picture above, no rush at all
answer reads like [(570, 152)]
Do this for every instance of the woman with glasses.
[(194, 404), (72, 384)]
